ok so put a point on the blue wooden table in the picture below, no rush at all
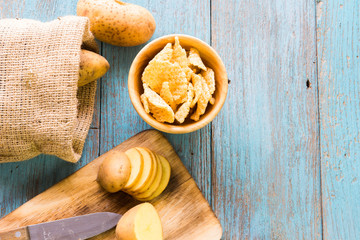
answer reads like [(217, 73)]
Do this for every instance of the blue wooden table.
[(281, 160)]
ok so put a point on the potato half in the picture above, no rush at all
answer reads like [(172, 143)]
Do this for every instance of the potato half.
[(141, 222), (114, 171)]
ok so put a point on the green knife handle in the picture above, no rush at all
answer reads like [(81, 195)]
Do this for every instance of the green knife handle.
[(15, 234)]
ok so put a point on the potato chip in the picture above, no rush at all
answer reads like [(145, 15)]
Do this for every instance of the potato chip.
[(196, 70), (205, 88), (165, 54), (165, 94), (188, 72), (177, 76), (184, 109), (145, 103), (153, 74), (201, 107), (158, 107), (210, 79), (195, 59), (158, 72), (179, 55), (198, 89)]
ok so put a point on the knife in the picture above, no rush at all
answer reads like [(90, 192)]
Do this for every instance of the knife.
[(74, 228)]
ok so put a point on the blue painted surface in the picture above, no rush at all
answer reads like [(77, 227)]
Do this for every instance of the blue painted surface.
[(339, 93), (280, 160)]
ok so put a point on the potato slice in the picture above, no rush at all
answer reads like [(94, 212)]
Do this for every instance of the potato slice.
[(153, 173), (155, 184), (114, 171), (147, 170), (141, 222), (137, 164), (166, 172)]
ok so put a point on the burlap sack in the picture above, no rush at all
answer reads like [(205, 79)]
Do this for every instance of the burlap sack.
[(41, 108)]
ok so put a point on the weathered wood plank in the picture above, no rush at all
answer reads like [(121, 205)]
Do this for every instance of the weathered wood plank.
[(21, 181), (339, 93), (266, 173), (119, 120)]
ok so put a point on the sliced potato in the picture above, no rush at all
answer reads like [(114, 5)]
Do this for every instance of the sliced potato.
[(141, 222), (114, 171), (137, 165), (166, 172), (153, 174), (155, 184), (147, 172)]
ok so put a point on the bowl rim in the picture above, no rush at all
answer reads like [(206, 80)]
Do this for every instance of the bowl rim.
[(165, 127)]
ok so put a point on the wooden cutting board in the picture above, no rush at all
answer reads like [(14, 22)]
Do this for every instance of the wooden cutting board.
[(183, 210)]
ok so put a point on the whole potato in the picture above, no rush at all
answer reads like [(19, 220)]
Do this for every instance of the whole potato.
[(92, 67), (114, 171), (118, 23)]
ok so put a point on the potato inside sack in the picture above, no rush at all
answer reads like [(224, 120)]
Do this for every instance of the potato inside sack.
[(116, 22), (114, 171), (92, 66), (141, 222)]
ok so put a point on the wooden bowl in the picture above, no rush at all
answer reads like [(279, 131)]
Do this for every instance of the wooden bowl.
[(210, 58)]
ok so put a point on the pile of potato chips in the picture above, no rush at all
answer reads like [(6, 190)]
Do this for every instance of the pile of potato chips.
[(177, 84)]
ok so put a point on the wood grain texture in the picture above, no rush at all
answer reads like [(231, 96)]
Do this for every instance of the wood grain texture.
[(119, 120), (183, 210), (339, 92), (21, 181), (266, 175), (18, 234)]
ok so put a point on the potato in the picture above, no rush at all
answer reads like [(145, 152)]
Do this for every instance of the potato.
[(114, 171), (153, 174), (147, 173), (141, 222), (118, 23), (155, 184), (166, 172), (92, 67), (137, 165)]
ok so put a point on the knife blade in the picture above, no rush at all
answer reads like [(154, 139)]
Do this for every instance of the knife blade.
[(74, 228)]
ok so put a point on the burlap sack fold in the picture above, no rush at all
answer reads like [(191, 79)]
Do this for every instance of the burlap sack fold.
[(41, 108)]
